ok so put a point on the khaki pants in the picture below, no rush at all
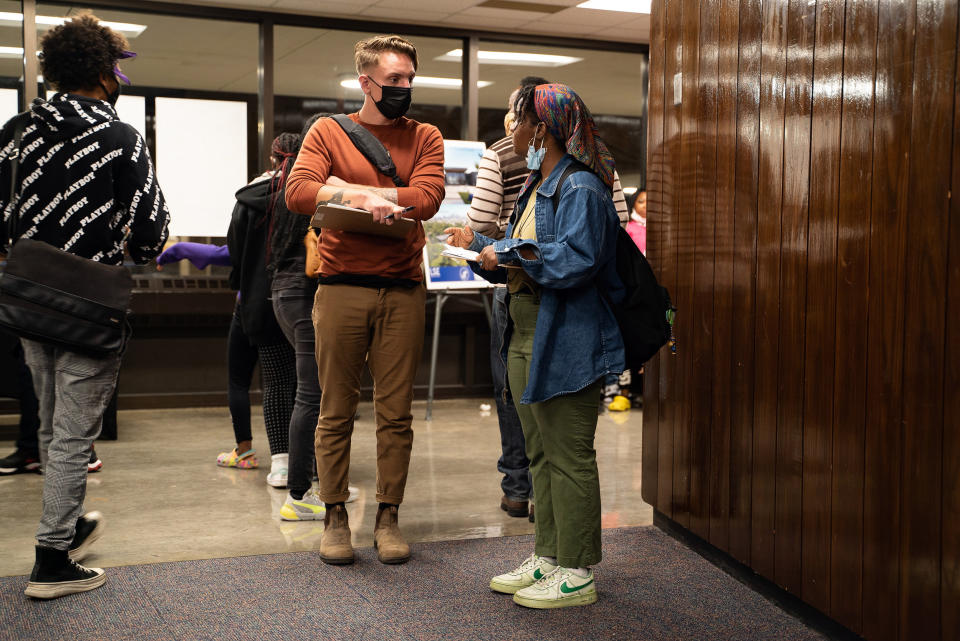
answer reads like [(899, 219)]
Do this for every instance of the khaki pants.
[(385, 328)]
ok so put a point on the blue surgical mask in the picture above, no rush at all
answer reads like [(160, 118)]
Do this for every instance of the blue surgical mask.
[(535, 156)]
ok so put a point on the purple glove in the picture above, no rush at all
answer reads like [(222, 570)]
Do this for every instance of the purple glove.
[(199, 254)]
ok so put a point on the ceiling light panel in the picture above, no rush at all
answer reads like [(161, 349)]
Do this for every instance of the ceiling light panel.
[(512, 58), (513, 5), (430, 82), (625, 6), (128, 29)]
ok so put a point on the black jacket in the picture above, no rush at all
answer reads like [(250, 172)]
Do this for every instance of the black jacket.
[(247, 240), (85, 180)]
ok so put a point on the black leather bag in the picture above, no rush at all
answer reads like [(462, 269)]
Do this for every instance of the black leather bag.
[(59, 298)]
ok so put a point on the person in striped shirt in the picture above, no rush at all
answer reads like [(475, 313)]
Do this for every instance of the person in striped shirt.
[(499, 178)]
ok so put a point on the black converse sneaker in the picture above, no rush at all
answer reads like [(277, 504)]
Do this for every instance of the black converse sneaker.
[(55, 574), (89, 529)]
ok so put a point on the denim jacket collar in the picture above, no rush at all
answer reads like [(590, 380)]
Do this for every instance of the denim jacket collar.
[(549, 185)]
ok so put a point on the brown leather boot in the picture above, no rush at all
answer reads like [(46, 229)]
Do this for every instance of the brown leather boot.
[(391, 548), (335, 548), (513, 508)]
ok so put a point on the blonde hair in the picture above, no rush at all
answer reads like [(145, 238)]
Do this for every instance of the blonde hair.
[(366, 53)]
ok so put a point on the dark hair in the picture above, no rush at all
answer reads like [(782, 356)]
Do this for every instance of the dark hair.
[(286, 229), (631, 199), (533, 80), (284, 149), (75, 54), (311, 120), (523, 106)]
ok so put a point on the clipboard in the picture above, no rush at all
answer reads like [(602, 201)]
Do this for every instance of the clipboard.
[(358, 221)]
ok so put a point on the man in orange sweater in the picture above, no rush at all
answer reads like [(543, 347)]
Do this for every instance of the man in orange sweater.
[(370, 301)]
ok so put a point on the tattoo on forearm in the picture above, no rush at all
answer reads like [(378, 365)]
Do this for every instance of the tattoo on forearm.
[(336, 199), (386, 193)]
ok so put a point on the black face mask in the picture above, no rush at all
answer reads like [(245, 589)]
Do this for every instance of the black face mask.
[(394, 101), (112, 96)]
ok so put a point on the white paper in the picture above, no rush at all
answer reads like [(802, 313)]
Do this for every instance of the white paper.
[(459, 252)]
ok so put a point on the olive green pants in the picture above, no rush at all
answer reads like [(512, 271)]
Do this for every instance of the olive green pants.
[(563, 462)]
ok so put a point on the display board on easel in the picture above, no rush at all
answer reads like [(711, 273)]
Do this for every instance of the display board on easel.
[(461, 162)]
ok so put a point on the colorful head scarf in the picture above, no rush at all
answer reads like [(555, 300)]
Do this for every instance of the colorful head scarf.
[(569, 121)]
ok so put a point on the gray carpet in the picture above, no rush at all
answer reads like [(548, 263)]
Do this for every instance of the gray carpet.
[(651, 587)]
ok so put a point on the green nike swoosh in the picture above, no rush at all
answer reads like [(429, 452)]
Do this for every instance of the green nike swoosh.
[(567, 590), (537, 574)]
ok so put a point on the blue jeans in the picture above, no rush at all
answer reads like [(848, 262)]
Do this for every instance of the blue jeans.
[(74, 390), (293, 308), (513, 463)]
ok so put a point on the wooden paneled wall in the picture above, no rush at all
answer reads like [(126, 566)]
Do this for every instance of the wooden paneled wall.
[(802, 157)]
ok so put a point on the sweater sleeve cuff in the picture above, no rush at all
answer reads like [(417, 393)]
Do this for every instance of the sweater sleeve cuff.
[(308, 200), (411, 196), (407, 196)]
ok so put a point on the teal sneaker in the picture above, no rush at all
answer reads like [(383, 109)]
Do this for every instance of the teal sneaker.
[(529, 572), (309, 508), (559, 589)]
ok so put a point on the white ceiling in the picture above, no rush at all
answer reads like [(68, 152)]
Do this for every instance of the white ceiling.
[(572, 21), (222, 55)]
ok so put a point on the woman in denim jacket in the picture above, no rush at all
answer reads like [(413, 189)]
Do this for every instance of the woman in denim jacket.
[(562, 337)]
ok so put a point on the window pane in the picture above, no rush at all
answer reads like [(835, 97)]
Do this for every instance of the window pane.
[(610, 83), (11, 60), (200, 191), (312, 63), (181, 53)]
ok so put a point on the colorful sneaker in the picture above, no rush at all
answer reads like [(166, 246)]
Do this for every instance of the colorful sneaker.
[(278, 470), (529, 572), (19, 462), (245, 461), (309, 508), (94, 464), (561, 588)]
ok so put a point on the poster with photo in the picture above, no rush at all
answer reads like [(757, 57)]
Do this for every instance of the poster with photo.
[(461, 162)]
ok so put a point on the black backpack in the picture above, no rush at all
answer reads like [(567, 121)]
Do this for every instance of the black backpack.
[(646, 315)]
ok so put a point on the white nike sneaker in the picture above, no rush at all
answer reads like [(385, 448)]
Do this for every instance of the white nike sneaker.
[(559, 589), (354, 493), (529, 572), (309, 508)]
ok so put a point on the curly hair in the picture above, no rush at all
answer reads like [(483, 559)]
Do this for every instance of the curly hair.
[(75, 54)]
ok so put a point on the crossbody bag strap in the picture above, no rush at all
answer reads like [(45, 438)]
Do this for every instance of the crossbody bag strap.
[(20, 123), (371, 148)]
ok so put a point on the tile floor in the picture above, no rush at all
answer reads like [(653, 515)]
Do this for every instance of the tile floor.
[(165, 499)]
